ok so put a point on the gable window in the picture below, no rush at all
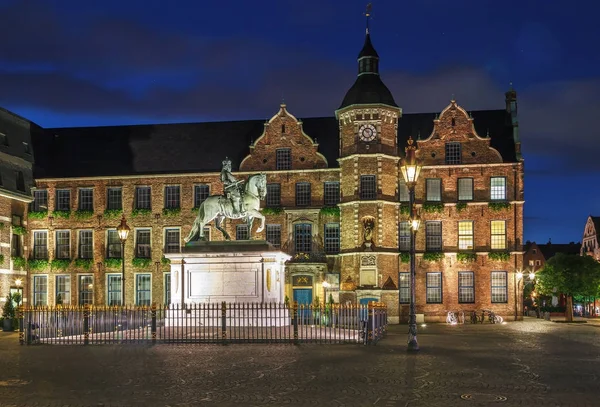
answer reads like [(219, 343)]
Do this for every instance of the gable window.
[(283, 159), (241, 232), (273, 195), (40, 201), (499, 287), (40, 244), (434, 288), (113, 289), (114, 199), (332, 238), (497, 188), (172, 197), (466, 287), (303, 237), (465, 235), (331, 193), (142, 243), (40, 290), (433, 236), (86, 247), (63, 290), (368, 187), (403, 192), (86, 199), (143, 289), (404, 236), (453, 152), (113, 245), (63, 200), (302, 194), (433, 189), (142, 198), (172, 240), (201, 192), (404, 287), (20, 181), (63, 244), (274, 235), (86, 289), (465, 189), (498, 234)]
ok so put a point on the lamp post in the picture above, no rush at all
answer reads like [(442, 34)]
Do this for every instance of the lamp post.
[(325, 287), (520, 287), (410, 171), (123, 232)]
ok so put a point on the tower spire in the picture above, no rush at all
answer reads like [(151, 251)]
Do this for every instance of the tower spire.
[(368, 15)]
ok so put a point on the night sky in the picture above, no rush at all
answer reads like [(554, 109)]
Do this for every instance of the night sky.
[(67, 63)]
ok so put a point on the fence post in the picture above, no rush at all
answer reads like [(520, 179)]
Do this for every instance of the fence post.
[(295, 314), (224, 322), (86, 324), (370, 321), (153, 314), (21, 326)]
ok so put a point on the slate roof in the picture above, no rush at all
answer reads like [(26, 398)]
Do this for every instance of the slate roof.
[(368, 50), (200, 147), (549, 250), (368, 89)]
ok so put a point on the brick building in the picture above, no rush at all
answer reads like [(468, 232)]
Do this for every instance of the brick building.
[(328, 179), (591, 238)]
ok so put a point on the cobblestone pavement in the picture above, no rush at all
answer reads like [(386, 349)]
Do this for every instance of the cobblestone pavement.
[(531, 363)]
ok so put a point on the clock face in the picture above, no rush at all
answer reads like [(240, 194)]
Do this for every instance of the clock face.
[(367, 132)]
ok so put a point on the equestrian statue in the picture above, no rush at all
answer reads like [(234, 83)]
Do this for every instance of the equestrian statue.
[(241, 200)]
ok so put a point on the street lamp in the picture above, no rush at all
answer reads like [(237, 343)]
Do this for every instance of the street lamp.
[(410, 171), (123, 232), (325, 287), (519, 279)]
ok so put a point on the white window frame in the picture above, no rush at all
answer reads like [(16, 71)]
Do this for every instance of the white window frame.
[(135, 285), (135, 236)]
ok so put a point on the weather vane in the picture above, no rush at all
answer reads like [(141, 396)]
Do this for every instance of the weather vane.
[(368, 14)]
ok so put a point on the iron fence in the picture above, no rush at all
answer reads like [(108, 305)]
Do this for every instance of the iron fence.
[(203, 323)]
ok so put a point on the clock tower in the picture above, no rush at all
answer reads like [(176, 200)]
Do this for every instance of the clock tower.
[(369, 174)]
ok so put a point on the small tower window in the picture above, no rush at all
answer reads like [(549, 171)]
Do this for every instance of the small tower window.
[(283, 128), (453, 122)]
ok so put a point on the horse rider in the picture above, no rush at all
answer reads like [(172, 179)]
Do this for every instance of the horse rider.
[(232, 188)]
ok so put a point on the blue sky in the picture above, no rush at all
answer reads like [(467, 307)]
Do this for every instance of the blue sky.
[(67, 63)]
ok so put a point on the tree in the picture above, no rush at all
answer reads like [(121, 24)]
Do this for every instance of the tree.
[(571, 275)]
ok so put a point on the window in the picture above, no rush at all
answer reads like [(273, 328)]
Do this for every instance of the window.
[(273, 195), (434, 288), (434, 189), (433, 236), (497, 188), (114, 198), (142, 198), (466, 287), (200, 194), (241, 232), (63, 200), (40, 290), (20, 181), (63, 244), (86, 247), (86, 199), (172, 241), (368, 187), (331, 193), (86, 290), (26, 148), (404, 236), (499, 286), (283, 159), (465, 189), (113, 245), (403, 192), (113, 289), (303, 237), (302, 194), (534, 251), (332, 238), (465, 235), (172, 197), (498, 234), (142, 243), (404, 287), (40, 244), (3, 139), (531, 262), (274, 235), (63, 290), (453, 153), (40, 200), (538, 262), (167, 285), (15, 248), (143, 289)]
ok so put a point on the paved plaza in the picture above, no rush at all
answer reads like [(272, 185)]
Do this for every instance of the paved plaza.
[(530, 363)]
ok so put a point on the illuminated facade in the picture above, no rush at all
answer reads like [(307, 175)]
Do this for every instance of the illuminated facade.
[(336, 203)]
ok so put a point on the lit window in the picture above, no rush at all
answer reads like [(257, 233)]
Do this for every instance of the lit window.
[(499, 287), (497, 188), (498, 234), (465, 235)]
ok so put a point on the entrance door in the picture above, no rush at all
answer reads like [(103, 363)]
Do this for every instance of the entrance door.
[(303, 296)]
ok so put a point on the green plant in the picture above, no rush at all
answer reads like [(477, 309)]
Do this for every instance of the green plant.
[(404, 209), (37, 214), (113, 263), (38, 264), (19, 230), (8, 311), (112, 213), (83, 214), (498, 206), (461, 206), (466, 257), (141, 212), (433, 256), (19, 262), (1, 225), (16, 297), (85, 264), (171, 212), (141, 262), (1, 258), (404, 257), (62, 214), (275, 210), (433, 207), (330, 299), (330, 210), (286, 301), (499, 256), (164, 261), (59, 264)]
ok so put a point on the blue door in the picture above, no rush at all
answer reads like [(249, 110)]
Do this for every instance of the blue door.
[(364, 313), (303, 296)]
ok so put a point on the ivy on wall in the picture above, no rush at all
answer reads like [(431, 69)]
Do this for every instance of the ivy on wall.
[(499, 256), (498, 206), (433, 256), (433, 207)]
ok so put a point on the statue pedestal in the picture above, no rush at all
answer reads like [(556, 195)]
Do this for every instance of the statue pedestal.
[(247, 271)]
